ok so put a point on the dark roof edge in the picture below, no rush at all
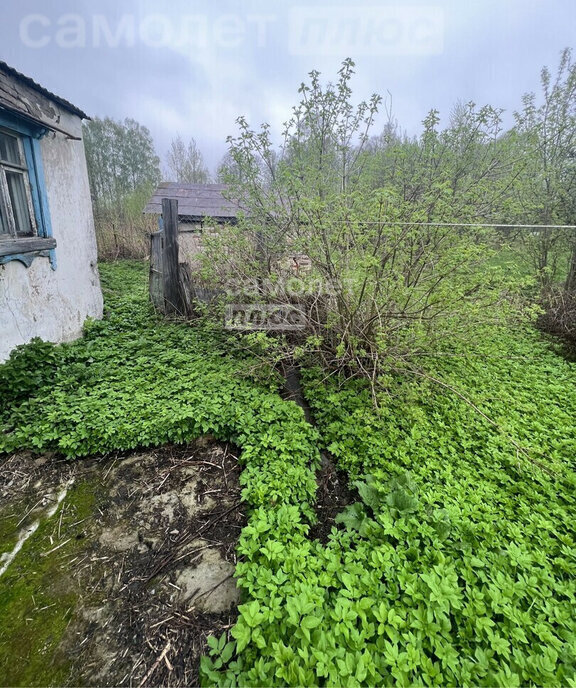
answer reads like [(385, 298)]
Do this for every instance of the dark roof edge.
[(44, 91)]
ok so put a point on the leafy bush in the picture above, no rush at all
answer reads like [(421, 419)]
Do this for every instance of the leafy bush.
[(393, 263)]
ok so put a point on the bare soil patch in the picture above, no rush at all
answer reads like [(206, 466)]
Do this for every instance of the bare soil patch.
[(333, 494)]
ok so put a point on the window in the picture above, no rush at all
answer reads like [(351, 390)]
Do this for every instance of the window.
[(16, 210), (25, 230)]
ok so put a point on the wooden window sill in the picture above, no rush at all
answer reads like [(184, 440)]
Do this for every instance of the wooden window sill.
[(11, 246)]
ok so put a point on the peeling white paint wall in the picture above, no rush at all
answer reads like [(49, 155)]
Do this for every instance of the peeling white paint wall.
[(53, 304)]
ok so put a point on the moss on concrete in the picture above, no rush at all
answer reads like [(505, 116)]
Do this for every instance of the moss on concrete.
[(9, 529), (38, 597)]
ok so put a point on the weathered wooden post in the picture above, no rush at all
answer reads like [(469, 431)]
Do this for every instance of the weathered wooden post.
[(171, 266)]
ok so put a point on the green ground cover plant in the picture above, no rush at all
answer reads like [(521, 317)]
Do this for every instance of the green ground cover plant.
[(455, 566), (135, 381), (467, 528)]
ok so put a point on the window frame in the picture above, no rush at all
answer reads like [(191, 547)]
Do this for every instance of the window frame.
[(6, 205), (14, 246)]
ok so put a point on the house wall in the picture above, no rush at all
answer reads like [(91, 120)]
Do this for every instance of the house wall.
[(38, 301)]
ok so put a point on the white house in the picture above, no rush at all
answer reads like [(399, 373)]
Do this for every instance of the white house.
[(49, 280)]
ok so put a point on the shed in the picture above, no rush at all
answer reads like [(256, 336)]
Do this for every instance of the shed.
[(49, 280), (197, 204)]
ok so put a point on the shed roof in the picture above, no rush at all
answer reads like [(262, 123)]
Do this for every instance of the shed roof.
[(196, 201)]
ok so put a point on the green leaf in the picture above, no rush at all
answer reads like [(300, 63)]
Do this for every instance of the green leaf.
[(310, 621)]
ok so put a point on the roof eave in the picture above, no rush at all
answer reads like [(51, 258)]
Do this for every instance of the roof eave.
[(44, 91)]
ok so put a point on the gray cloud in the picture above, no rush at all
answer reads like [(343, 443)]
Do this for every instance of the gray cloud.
[(248, 58)]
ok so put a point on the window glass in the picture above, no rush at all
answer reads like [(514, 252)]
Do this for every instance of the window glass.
[(9, 149), (3, 222), (18, 198)]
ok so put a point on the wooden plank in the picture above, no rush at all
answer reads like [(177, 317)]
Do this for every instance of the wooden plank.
[(187, 288), (170, 261), (156, 285), (26, 245)]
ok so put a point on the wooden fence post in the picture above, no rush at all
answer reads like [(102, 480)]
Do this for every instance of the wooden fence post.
[(171, 266)]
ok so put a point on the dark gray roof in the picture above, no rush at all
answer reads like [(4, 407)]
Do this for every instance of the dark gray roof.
[(22, 78), (195, 201)]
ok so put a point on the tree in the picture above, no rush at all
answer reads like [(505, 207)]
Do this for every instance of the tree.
[(185, 162), (229, 172), (382, 285), (469, 159), (123, 170), (121, 163), (546, 137)]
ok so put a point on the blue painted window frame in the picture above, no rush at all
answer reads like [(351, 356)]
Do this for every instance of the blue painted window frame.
[(30, 135)]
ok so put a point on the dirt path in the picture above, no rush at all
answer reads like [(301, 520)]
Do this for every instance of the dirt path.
[(120, 582)]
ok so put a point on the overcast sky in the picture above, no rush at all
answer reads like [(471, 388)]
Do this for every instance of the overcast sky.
[(192, 67)]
